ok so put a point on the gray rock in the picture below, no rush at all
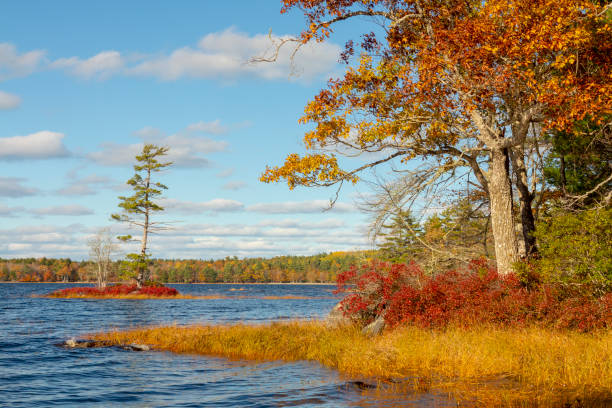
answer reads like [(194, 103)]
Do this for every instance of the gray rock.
[(136, 347), (72, 343), (376, 327), (336, 317)]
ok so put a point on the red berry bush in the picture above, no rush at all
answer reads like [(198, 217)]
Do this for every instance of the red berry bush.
[(116, 290), (404, 294)]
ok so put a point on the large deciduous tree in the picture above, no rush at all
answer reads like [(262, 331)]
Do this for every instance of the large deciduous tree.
[(460, 82), (138, 208)]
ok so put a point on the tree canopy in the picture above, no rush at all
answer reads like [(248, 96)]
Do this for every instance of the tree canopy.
[(462, 83)]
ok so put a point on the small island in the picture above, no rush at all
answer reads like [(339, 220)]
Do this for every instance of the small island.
[(121, 291)]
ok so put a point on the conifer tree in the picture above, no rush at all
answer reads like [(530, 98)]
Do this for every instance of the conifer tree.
[(138, 208), (399, 236)]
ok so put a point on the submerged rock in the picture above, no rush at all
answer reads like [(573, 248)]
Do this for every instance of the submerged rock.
[(376, 327)]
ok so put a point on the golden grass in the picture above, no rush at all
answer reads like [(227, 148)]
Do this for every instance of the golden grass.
[(206, 297), (509, 367)]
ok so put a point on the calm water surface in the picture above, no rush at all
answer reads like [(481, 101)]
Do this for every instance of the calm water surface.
[(36, 373)]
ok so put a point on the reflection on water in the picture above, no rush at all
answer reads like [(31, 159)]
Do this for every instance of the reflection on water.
[(33, 372)]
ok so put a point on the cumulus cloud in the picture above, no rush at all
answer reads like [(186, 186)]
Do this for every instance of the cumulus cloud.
[(220, 55), (39, 145), (9, 101), (268, 238), (187, 147), (12, 187), (13, 64), (69, 210), (100, 66), (89, 185), (191, 207), (226, 54), (234, 185), (299, 207)]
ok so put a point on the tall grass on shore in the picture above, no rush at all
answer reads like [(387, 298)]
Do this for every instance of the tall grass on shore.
[(495, 366)]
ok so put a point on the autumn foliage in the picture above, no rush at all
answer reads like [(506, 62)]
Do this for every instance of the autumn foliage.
[(116, 291), (405, 295)]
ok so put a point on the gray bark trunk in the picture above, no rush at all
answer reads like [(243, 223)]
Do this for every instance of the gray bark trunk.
[(502, 220), (141, 277)]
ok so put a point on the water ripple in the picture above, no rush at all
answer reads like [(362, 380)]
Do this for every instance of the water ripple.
[(36, 373)]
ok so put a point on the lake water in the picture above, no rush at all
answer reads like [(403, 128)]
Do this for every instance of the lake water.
[(36, 373)]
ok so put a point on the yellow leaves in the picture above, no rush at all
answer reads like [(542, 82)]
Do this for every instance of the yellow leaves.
[(310, 170)]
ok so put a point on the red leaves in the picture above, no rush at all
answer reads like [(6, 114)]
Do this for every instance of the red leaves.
[(478, 295), (116, 290)]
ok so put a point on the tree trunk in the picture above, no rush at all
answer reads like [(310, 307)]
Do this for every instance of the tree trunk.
[(141, 276), (502, 220), (525, 201)]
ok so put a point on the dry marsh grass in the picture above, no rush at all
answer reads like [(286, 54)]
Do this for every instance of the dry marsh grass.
[(493, 366)]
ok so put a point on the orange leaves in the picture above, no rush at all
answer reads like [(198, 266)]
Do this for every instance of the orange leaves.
[(442, 61), (310, 170)]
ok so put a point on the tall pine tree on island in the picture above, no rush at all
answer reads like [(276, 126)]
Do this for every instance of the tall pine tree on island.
[(138, 208)]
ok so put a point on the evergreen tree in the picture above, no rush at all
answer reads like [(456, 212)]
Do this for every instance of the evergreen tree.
[(138, 208), (399, 236)]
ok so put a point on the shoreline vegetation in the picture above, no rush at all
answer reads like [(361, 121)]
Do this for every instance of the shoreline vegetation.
[(527, 366)]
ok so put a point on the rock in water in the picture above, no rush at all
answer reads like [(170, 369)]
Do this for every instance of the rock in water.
[(71, 343), (376, 327), (136, 347), (336, 317)]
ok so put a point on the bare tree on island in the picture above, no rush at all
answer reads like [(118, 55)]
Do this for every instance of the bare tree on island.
[(101, 248), (138, 208)]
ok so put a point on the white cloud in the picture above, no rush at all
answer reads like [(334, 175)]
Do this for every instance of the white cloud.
[(13, 64), (69, 210), (89, 185), (226, 54), (100, 66), (215, 127), (190, 207), (39, 145), (186, 148), (293, 223), (9, 101), (221, 55), (193, 240), (234, 185), (12, 187), (6, 211), (296, 207)]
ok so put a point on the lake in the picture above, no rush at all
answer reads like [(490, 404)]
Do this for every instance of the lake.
[(34, 372)]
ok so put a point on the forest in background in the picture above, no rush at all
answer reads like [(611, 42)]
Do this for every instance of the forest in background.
[(316, 268)]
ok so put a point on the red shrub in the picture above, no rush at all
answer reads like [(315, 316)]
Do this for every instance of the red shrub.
[(405, 295), (116, 290)]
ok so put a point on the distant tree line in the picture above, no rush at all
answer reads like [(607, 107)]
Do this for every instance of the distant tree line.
[(316, 268)]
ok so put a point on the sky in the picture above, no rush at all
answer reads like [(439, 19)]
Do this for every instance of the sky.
[(84, 84)]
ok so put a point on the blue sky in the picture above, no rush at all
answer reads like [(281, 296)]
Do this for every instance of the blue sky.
[(84, 84)]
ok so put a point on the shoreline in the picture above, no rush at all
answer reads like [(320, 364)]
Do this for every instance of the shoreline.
[(489, 365)]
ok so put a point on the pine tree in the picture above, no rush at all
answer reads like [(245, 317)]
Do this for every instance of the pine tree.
[(138, 208), (400, 241)]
